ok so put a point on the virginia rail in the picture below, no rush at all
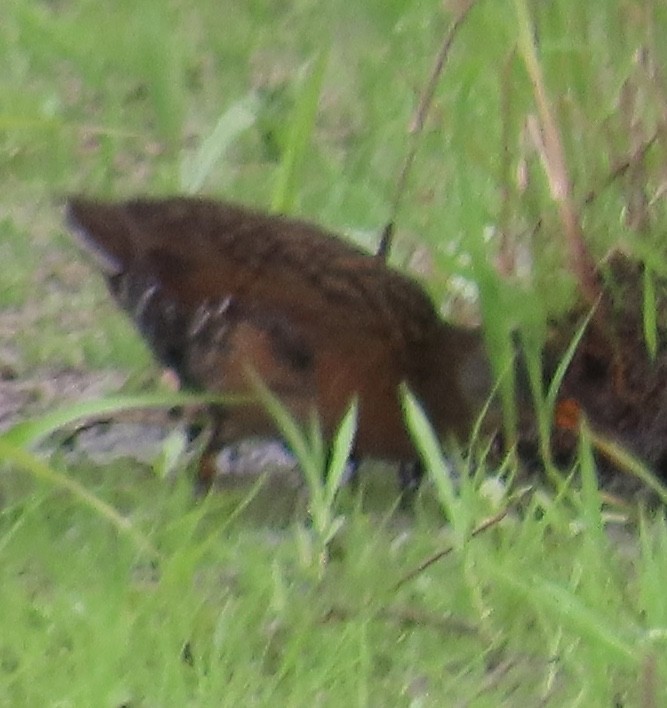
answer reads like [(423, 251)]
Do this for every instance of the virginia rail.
[(218, 290)]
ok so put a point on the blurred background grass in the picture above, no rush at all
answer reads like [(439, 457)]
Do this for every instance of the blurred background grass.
[(124, 99), (119, 100)]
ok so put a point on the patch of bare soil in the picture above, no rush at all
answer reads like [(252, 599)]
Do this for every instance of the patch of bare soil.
[(45, 389), (136, 434)]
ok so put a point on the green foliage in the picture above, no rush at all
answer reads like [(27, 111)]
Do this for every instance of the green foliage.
[(323, 469), (237, 118), (556, 601), (302, 124)]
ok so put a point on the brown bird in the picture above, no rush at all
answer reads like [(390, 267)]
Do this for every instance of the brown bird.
[(219, 290)]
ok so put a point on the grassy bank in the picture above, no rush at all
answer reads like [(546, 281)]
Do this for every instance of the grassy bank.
[(233, 600)]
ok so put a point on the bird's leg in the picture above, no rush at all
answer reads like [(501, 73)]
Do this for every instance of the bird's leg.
[(351, 475), (410, 476), (207, 469)]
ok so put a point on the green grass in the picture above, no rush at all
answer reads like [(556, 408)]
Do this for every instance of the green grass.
[(557, 603)]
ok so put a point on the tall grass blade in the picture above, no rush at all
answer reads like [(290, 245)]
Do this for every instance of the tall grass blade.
[(235, 120), (30, 432), (303, 123)]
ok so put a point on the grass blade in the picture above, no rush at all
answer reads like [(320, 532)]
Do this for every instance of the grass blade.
[(30, 432), (303, 123), (341, 450), (237, 118)]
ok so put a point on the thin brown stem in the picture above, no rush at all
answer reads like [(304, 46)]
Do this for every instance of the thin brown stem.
[(418, 120), (549, 144), (481, 528)]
